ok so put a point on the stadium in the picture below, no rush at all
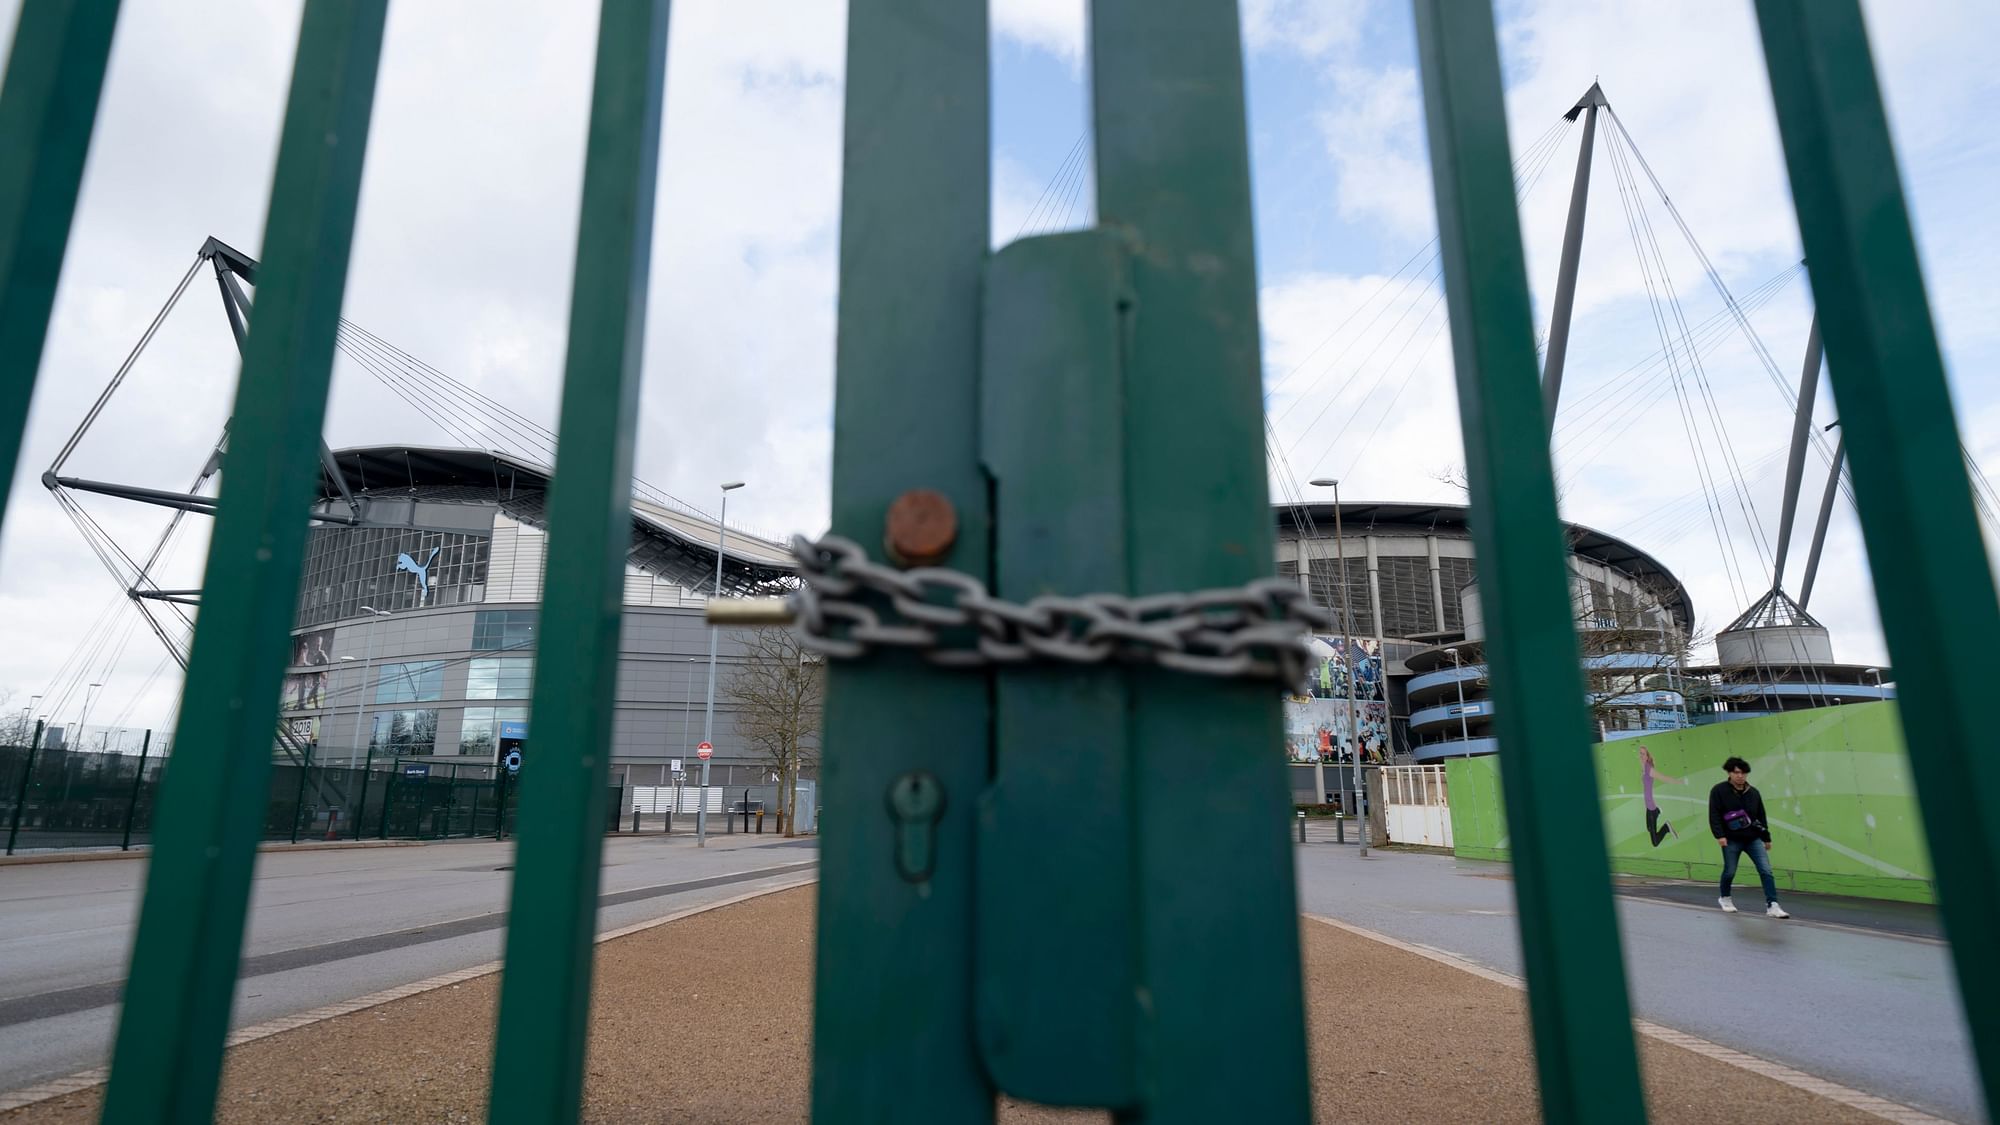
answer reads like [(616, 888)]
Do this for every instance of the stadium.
[(416, 624)]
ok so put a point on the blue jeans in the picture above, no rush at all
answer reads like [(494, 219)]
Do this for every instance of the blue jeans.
[(1732, 850)]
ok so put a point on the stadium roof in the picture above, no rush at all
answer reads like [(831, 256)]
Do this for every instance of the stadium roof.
[(670, 539), (1454, 519)]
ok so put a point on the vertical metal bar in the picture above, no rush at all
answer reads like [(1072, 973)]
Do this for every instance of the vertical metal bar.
[(545, 988), (168, 1055), (893, 1016), (1173, 171), (138, 782), (1562, 880), (1795, 463), (298, 797), (367, 769), (1933, 580), (21, 791), (388, 799), (48, 106)]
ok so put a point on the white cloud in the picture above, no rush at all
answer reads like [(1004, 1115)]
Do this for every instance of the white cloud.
[(1055, 26), (1308, 27), (1373, 132)]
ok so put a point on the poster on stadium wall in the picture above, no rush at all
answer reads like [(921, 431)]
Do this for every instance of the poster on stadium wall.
[(1336, 661), (1316, 723), (303, 691), (1317, 730), (312, 650)]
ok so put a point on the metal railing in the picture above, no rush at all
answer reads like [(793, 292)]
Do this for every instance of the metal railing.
[(948, 971)]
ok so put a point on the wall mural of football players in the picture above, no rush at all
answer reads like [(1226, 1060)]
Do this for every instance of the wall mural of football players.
[(1316, 721)]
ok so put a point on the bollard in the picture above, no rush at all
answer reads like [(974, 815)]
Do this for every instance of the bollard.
[(1302, 826), (1361, 825), (635, 820), (1339, 827), (760, 822)]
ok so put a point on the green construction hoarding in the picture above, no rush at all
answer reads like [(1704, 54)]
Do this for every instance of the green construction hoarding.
[(1836, 784)]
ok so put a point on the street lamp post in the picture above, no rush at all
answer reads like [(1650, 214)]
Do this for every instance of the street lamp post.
[(1463, 734), (89, 695), (361, 720), (708, 709)]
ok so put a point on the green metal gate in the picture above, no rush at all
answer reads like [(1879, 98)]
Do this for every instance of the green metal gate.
[(1083, 411)]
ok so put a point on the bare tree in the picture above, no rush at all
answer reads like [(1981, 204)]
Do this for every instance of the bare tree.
[(16, 727), (779, 692)]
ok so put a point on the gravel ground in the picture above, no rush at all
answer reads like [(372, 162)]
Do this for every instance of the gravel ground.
[(1431, 1043)]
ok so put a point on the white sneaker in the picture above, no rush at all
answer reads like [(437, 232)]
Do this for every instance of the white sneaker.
[(1728, 906), (1776, 911)]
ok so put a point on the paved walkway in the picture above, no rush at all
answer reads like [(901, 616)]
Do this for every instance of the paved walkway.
[(1861, 994), (325, 926), (660, 1049)]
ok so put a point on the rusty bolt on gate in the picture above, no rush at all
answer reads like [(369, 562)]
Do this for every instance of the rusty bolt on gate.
[(921, 527)]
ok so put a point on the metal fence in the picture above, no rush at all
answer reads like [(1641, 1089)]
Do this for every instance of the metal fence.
[(954, 972), (53, 800)]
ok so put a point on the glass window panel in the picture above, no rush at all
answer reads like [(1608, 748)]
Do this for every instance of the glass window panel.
[(418, 681), (500, 677), (404, 732)]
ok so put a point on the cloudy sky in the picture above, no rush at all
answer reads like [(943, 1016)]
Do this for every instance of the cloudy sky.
[(467, 223)]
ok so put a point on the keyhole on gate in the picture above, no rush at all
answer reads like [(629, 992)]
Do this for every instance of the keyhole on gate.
[(916, 804)]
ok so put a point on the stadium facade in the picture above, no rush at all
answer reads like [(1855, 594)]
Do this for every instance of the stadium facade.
[(417, 641), (414, 636), (1418, 683)]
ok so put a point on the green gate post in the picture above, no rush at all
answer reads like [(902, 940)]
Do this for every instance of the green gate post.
[(545, 988), (1582, 1018), (1933, 580), (48, 106), (893, 1018), (1173, 175), (21, 791), (139, 781), (168, 1054), (1056, 941)]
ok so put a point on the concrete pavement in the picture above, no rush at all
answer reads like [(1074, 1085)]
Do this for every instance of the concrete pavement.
[(1860, 994), (325, 926)]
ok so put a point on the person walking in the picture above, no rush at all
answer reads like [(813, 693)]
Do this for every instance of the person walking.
[(1736, 820)]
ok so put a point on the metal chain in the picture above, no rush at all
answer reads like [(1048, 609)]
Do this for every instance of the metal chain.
[(1259, 630)]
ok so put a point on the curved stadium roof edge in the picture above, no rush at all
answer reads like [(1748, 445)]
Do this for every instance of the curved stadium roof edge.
[(667, 540), (679, 542), (1365, 516)]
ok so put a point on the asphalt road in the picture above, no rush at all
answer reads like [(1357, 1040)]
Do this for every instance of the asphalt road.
[(1857, 993), (325, 926)]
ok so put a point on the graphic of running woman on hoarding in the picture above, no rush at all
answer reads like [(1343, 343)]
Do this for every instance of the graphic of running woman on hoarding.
[(1655, 827)]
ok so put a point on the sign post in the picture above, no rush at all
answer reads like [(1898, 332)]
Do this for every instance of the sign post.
[(704, 751)]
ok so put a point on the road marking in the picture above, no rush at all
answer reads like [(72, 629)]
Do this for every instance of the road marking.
[(96, 1076), (1777, 1072)]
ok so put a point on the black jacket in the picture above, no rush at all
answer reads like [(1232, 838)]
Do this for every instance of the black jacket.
[(1723, 798)]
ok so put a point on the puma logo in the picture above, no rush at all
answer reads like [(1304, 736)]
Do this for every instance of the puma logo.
[(423, 573)]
